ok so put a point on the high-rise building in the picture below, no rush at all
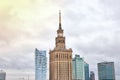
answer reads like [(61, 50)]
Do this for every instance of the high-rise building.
[(92, 75), (40, 65), (78, 68), (60, 58), (106, 71), (86, 66), (2, 75)]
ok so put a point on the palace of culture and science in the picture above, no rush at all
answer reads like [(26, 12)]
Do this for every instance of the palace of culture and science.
[(60, 58)]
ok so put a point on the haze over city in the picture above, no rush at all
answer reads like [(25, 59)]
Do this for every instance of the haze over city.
[(91, 28)]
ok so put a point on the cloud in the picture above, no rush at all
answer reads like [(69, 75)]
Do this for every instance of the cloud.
[(91, 29)]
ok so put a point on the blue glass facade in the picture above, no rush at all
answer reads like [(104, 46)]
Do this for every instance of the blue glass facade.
[(86, 66), (106, 71), (78, 68), (40, 65)]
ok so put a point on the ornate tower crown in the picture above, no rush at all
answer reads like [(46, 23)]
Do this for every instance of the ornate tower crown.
[(60, 39)]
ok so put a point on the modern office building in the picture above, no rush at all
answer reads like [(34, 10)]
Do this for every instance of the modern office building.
[(78, 68), (86, 66), (106, 71), (60, 58), (92, 75), (2, 75), (40, 65)]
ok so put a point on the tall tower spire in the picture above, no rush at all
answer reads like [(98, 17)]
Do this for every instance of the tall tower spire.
[(60, 26), (60, 30)]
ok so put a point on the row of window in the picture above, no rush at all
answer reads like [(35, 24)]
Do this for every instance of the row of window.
[(63, 56)]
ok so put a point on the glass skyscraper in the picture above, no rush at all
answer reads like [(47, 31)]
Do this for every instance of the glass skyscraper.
[(106, 71), (78, 68), (40, 65), (86, 66)]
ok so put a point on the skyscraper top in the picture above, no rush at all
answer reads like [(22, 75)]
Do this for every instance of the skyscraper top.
[(77, 55), (105, 63), (41, 52)]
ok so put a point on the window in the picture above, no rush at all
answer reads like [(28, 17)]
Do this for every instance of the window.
[(56, 56)]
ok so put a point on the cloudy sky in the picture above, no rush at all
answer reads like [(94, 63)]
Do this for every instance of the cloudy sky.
[(91, 27)]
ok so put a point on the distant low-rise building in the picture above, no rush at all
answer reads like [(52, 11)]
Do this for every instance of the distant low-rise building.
[(92, 75), (2, 75)]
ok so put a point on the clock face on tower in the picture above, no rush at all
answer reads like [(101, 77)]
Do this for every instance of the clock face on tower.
[(60, 34)]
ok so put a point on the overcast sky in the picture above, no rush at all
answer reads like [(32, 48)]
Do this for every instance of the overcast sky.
[(91, 28)]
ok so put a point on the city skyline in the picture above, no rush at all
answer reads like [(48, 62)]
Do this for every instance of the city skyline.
[(91, 27)]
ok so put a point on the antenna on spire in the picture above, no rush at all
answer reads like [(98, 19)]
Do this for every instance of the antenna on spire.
[(60, 19)]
